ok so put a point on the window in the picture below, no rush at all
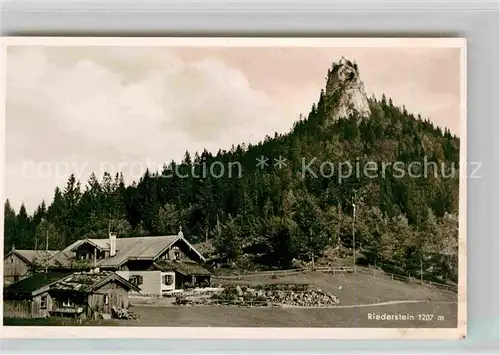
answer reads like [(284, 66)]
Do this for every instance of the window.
[(136, 280), (177, 255), (106, 299), (168, 280), (68, 303), (43, 302)]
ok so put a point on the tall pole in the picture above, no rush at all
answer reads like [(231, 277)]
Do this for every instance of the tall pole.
[(338, 225), (353, 230), (421, 251)]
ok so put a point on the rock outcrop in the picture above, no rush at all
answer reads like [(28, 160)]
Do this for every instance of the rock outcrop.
[(345, 91)]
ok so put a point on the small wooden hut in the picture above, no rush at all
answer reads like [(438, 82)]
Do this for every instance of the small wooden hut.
[(80, 294)]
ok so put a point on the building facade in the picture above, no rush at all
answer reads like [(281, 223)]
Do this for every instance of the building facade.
[(79, 294), (20, 264), (154, 264)]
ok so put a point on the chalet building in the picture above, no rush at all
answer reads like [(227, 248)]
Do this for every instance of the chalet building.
[(20, 264), (80, 294), (154, 264)]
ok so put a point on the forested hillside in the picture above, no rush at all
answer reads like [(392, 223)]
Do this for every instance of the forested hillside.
[(401, 219)]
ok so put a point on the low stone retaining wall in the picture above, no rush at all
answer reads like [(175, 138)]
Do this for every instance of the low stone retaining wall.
[(264, 296)]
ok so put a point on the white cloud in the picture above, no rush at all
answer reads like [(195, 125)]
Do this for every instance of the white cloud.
[(74, 109), (83, 111)]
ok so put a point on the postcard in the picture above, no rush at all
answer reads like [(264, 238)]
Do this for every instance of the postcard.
[(255, 188)]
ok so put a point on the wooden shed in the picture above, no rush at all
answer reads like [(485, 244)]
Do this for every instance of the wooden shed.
[(20, 264), (29, 298), (80, 294)]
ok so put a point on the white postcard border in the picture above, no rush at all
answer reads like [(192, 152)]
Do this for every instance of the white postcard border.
[(251, 333)]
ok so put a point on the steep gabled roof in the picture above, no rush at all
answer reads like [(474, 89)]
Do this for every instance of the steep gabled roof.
[(138, 248), (32, 284), (86, 282), (65, 257), (33, 256), (141, 248), (102, 244)]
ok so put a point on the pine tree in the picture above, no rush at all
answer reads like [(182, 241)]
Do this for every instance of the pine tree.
[(281, 238), (229, 242), (167, 220), (400, 220), (23, 229), (10, 236)]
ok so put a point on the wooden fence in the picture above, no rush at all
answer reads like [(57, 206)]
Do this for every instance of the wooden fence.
[(288, 272), (339, 269), (17, 308), (260, 274), (243, 303), (406, 278)]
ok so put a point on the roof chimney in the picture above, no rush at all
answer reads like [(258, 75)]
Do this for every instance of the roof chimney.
[(112, 244), (181, 235)]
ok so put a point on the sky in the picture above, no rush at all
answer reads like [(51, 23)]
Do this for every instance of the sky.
[(121, 109)]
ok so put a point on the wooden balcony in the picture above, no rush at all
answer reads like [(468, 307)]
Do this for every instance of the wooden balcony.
[(68, 310)]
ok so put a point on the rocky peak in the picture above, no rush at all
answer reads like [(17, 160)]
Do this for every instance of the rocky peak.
[(347, 91)]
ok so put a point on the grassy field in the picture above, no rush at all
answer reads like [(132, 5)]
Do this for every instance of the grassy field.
[(297, 317), (359, 294), (223, 316), (359, 288)]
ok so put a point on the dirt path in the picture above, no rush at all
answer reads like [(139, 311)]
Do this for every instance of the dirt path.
[(444, 316)]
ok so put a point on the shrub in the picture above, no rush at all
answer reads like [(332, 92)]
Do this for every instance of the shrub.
[(205, 283)]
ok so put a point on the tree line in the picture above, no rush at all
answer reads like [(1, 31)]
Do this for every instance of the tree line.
[(275, 215)]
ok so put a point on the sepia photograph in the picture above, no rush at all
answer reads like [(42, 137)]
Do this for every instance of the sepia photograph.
[(234, 183)]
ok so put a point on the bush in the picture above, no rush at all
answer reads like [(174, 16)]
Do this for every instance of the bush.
[(260, 299), (180, 300), (205, 283)]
